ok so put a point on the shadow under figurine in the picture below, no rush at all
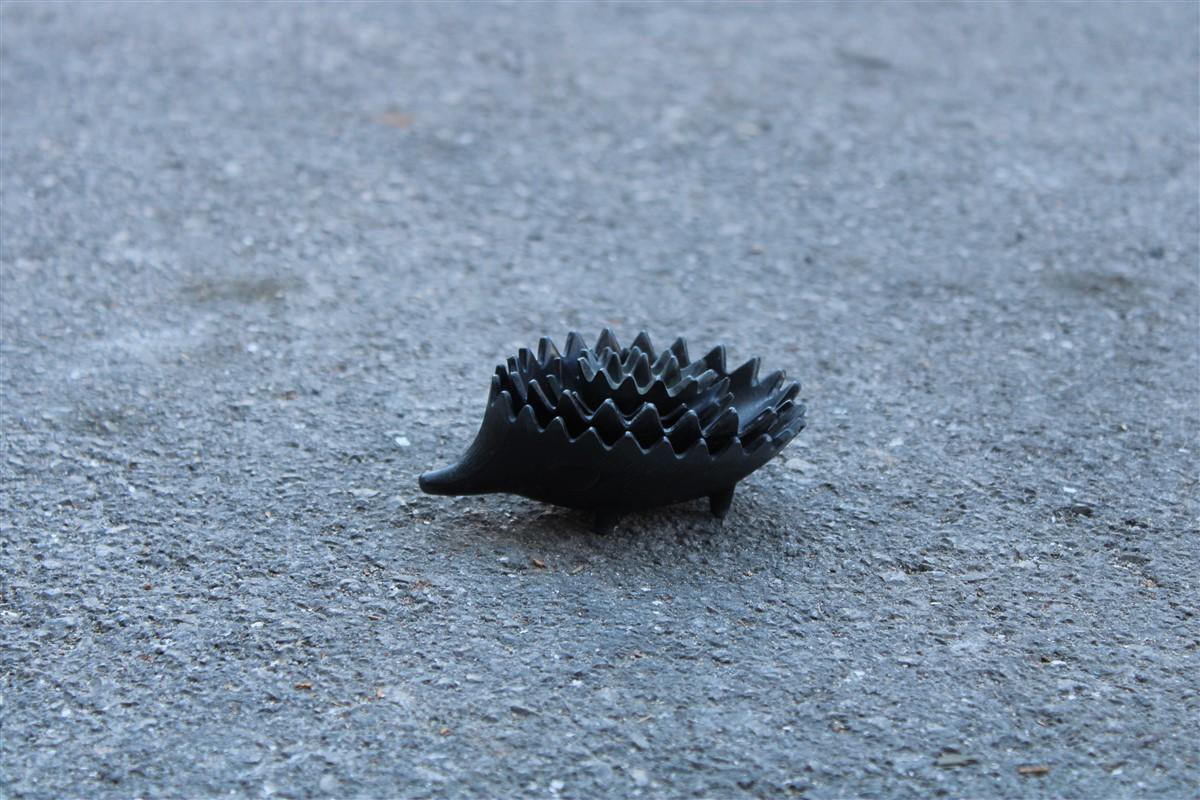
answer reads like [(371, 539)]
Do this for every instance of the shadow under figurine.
[(614, 429)]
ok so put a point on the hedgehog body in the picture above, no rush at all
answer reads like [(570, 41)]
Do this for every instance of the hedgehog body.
[(615, 429)]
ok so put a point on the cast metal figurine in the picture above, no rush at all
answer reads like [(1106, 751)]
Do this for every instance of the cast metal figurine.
[(614, 429)]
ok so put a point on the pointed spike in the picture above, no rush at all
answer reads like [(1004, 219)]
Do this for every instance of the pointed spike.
[(760, 397), (721, 422), (590, 442), (595, 391), (662, 452), (683, 422), (641, 371), (542, 407), (630, 357), (502, 377), (768, 385), (684, 433), (744, 376), (579, 404), (533, 369), (547, 351), (716, 359), (520, 390), (575, 346), (779, 424), (701, 382), (646, 426), (586, 370), (764, 394), (645, 415), (696, 368), (719, 502), (553, 387), (792, 420), (722, 429), (612, 368), (558, 429), (679, 348), (759, 442), (663, 362), (711, 378), (642, 342), (524, 360), (790, 432), (667, 371), (627, 449), (712, 396), (528, 420), (509, 402), (785, 393), (567, 374), (588, 367), (710, 415), (784, 435), (608, 423), (758, 426), (627, 396), (572, 414), (516, 384), (698, 452), (607, 341), (688, 395)]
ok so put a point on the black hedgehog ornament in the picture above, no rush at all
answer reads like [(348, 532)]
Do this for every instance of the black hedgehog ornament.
[(614, 429)]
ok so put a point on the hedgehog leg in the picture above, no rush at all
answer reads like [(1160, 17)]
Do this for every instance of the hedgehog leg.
[(605, 521), (720, 501)]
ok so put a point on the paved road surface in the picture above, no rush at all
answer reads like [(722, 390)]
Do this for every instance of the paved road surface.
[(259, 261)]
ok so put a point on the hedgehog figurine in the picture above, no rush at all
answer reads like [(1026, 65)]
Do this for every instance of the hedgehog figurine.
[(612, 429)]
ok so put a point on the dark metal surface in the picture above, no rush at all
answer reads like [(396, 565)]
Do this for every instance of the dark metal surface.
[(616, 429)]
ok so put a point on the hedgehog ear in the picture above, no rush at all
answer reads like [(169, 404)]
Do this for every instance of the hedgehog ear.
[(607, 340)]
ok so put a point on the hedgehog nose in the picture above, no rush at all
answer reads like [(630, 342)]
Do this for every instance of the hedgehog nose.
[(438, 481), (449, 480)]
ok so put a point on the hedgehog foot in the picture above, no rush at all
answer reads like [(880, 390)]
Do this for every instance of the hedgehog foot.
[(719, 502), (605, 522)]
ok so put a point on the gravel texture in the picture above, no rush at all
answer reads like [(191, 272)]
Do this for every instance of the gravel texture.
[(258, 263)]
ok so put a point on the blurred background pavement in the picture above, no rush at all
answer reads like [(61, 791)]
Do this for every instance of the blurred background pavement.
[(259, 261)]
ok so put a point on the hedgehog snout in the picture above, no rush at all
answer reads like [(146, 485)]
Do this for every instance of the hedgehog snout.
[(451, 480)]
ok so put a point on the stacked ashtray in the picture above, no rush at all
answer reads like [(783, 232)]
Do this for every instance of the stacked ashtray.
[(615, 429)]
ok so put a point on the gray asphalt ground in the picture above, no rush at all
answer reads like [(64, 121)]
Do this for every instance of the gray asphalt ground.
[(259, 262)]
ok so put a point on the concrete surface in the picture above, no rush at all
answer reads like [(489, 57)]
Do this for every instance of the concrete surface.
[(258, 264)]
